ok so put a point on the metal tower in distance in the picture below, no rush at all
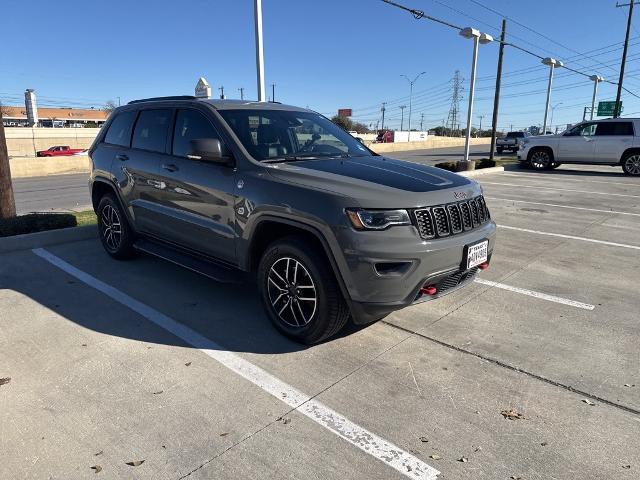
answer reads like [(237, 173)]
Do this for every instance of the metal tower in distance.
[(456, 96)]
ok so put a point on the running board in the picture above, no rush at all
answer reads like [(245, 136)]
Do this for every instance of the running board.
[(214, 271)]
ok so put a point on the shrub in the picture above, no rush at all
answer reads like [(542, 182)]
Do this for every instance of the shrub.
[(35, 222)]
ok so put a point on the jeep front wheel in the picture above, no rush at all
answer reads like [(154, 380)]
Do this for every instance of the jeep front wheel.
[(299, 291)]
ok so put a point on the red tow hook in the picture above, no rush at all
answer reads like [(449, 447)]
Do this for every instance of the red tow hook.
[(430, 290), (483, 266)]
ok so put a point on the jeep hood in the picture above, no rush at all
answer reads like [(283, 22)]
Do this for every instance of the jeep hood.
[(378, 182)]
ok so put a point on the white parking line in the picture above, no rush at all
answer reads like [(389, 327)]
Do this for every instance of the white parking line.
[(563, 206), (565, 179), (533, 293), (572, 237), (559, 189), (393, 456)]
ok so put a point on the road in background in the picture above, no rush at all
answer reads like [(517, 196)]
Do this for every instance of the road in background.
[(52, 193), (70, 192), (431, 156)]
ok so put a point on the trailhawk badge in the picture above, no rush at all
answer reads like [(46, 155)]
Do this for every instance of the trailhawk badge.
[(460, 195)]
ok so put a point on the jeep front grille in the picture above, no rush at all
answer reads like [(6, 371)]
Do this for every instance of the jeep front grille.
[(451, 219)]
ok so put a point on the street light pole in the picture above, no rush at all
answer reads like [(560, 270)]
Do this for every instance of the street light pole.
[(596, 79), (552, 63), (241, 89), (411, 82), (259, 50), (383, 110), (477, 38), (616, 109), (553, 109)]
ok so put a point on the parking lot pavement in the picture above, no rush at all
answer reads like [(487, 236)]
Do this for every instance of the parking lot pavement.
[(112, 362)]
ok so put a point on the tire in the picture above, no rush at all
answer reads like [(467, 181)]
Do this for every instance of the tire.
[(290, 274), (631, 164), (115, 232), (540, 159)]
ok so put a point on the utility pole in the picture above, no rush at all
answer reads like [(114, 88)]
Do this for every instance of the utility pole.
[(221, 92), (118, 101), (496, 97), (452, 118), (241, 93), (257, 9), (273, 92), (402, 107), (480, 130), (421, 120), (616, 108), (596, 79), (383, 110), (7, 201)]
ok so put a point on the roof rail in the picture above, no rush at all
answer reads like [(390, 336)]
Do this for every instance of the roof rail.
[(157, 99)]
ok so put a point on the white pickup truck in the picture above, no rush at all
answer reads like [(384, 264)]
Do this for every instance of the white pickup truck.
[(510, 141), (614, 141)]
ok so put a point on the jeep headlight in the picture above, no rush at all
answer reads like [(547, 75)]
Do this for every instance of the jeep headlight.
[(377, 219)]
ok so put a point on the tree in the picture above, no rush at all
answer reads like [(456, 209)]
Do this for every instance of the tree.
[(4, 110), (349, 125), (7, 201), (110, 106)]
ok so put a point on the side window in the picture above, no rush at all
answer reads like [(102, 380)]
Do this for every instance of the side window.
[(614, 128), (151, 130), (119, 132), (190, 125), (584, 130)]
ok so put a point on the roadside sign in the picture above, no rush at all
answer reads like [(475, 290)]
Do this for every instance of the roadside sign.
[(607, 109), (345, 112)]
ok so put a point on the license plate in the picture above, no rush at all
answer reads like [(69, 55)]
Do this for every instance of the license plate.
[(477, 254)]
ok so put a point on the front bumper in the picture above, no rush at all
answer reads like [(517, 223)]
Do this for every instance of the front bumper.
[(385, 270)]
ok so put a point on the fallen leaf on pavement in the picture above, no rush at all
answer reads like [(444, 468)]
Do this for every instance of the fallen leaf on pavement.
[(544, 444), (588, 402), (99, 453), (158, 392), (626, 467), (424, 439), (512, 414), (224, 434), (135, 463), (435, 456), (629, 385), (187, 364), (4, 381), (97, 468), (513, 477), (463, 459)]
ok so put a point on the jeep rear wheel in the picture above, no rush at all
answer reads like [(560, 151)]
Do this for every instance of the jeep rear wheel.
[(540, 159), (631, 164), (115, 233), (299, 291)]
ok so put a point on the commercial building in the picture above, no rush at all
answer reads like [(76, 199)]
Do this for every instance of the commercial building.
[(54, 117)]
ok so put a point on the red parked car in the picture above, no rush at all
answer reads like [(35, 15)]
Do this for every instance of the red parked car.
[(59, 150)]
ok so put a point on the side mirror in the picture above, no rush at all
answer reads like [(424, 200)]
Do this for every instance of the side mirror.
[(209, 150)]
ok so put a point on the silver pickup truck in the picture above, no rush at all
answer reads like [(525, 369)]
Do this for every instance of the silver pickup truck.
[(510, 141)]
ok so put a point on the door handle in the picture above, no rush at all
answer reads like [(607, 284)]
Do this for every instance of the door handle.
[(170, 167), (157, 184), (122, 157)]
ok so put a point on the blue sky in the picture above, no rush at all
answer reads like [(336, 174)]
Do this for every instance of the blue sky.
[(322, 54)]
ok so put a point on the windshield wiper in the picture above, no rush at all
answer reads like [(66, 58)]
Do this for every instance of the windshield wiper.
[(290, 158)]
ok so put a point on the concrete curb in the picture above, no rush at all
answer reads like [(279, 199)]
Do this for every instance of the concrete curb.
[(50, 237), (482, 171)]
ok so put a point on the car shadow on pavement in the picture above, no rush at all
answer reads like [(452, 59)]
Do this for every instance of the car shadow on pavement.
[(231, 316)]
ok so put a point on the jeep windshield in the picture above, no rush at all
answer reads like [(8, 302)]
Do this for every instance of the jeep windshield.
[(283, 135)]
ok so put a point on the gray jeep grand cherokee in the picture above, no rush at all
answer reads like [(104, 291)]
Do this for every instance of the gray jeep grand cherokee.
[(331, 229)]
